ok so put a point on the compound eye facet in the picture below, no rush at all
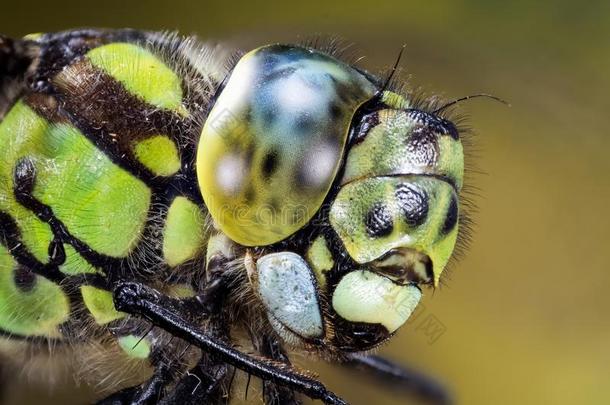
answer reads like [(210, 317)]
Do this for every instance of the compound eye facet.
[(272, 144)]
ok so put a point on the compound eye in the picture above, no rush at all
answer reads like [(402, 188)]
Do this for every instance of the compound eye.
[(272, 144)]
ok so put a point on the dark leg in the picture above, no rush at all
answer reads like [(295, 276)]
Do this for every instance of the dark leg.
[(401, 378), (147, 393), (201, 385), (122, 397), (138, 299), (274, 394)]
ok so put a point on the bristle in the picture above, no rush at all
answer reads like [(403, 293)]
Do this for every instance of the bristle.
[(45, 364), (333, 46), (419, 99), (469, 195), (202, 66), (105, 365)]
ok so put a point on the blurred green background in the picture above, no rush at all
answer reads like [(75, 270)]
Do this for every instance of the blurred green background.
[(524, 317)]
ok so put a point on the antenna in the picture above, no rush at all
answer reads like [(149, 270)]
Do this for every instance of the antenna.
[(459, 100), (394, 68)]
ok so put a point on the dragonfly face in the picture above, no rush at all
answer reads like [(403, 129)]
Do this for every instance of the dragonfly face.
[(295, 134)]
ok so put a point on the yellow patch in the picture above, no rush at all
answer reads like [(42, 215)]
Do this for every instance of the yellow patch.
[(141, 73), (99, 303), (75, 263), (320, 259), (36, 312), (135, 347), (22, 133), (219, 244), (99, 202), (394, 100), (364, 296), (184, 235), (159, 154)]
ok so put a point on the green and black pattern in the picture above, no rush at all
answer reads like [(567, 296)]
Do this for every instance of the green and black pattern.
[(158, 197)]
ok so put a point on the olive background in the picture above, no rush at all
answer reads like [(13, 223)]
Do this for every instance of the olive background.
[(523, 317)]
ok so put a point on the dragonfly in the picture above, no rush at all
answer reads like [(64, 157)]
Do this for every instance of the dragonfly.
[(172, 213)]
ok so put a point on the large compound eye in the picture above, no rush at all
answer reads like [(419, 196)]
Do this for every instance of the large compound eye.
[(272, 144)]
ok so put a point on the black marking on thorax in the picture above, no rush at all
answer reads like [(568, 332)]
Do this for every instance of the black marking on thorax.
[(107, 113), (24, 180), (112, 119), (10, 238), (58, 50)]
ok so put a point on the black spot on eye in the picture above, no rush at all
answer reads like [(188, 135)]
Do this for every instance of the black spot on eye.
[(451, 217), (275, 204), (24, 278), (413, 203), (378, 221), (281, 73), (335, 111), (270, 162), (304, 124), (268, 117), (250, 195)]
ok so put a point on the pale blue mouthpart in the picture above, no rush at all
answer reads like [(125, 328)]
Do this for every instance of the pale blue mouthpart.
[(287, 288)]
